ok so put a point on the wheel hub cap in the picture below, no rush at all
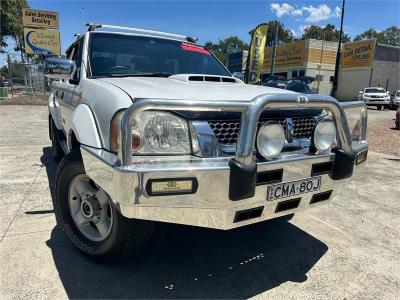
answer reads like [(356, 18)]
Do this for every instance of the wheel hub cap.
[(90, 208)]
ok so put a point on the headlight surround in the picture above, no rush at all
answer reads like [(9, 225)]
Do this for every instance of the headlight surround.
[(161, 133), (270, 140), (324, 135)]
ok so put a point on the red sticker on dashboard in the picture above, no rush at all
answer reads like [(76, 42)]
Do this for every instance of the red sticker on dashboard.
[(194, 48)]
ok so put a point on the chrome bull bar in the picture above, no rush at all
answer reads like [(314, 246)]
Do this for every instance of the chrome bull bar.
[(251, 111)]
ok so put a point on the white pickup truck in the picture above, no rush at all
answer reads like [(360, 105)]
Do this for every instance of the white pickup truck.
[(150, 126)]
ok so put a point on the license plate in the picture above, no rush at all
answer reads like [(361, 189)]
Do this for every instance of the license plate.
[(293, 188)]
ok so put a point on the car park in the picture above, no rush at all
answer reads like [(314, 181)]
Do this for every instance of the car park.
[(375, 96), (150, 126)]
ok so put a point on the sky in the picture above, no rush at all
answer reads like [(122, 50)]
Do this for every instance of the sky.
[(213, 20)]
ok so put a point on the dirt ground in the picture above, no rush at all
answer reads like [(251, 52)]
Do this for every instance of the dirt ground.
[(39, 99), (381, 133)]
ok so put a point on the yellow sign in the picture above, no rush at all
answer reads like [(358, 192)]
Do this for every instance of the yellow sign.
[(357, 54), (38, 41), (256, 53), (287, 55), (39, 18)]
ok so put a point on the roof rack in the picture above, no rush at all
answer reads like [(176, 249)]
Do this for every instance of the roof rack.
[(93, 27)]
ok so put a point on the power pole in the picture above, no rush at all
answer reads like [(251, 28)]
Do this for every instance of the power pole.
[(335, 78), (10, 79), (274, 48)]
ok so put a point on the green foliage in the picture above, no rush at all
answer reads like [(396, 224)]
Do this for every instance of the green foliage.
[(390, 36), (327, 33), (11, 20), (284, 35), (226, 46)]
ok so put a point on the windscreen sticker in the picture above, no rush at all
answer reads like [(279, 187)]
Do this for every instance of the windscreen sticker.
[(194, 48)]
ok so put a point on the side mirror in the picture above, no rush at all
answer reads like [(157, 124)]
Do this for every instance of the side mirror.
[(58, 68), (238, 75), (361, 92)]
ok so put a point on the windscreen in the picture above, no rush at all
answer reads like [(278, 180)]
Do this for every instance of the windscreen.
[(375, 91), (125, 55)]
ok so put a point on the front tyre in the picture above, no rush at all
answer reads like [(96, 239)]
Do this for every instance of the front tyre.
[(88, 217)]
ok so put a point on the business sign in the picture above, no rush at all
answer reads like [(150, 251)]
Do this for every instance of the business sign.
[(357, 54), (38, 41), (287, 55), (256, 53), (39, 18)]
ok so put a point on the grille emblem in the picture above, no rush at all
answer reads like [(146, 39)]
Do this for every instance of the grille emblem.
[(302, 100)]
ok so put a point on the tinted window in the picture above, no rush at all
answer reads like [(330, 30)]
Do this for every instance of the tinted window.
[(375, 91), (115, 54), (299, 88)]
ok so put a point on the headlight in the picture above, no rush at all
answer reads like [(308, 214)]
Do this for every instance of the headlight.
[(155, 133), (324, 135), (270, 140), (161, 133)]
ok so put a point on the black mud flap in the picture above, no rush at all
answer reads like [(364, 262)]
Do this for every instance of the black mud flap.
[(242, 180)]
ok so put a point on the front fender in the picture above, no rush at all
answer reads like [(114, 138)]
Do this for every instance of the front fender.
[(84, 127)]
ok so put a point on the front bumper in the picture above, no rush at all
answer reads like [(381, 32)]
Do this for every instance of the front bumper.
[(376, 101), (221, 194), (210, 206)]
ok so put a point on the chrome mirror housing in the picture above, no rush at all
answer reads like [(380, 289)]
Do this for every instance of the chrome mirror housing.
[(58, 68)]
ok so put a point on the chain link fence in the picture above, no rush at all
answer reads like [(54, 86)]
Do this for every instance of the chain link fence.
[(23, 78)]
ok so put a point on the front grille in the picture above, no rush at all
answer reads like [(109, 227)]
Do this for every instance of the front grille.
[(227, 131)]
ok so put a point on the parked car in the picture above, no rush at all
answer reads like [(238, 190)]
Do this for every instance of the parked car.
[(397, 119), (6, 83), (396, 98), (275, 81), (300, 84), (150, 126), (375, 96)]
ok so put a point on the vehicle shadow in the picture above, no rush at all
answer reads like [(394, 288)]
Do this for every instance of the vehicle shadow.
[(190, 262)]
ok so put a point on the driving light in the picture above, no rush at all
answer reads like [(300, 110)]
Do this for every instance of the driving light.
[(270, 140), (158, 187), (324, 135)]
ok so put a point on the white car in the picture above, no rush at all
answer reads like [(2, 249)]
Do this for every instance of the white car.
[(375, 96), (396, 99), (152, 127)]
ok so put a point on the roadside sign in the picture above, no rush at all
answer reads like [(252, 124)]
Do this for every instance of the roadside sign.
[(357, 54), (38, 41), (291, 54), (256, 53), (40, 18)]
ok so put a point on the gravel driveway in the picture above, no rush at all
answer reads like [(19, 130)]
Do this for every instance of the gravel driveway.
[(349, 249)]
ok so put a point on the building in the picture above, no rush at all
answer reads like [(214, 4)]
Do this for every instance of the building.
[(362, 64), (366, 63)]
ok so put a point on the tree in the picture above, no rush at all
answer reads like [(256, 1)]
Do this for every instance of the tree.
[(390, 36), (284, 35), (226, 46), (11, 24), (327, 33), (370, 34)]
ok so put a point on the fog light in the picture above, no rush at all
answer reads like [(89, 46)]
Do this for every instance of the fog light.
[(361, 157), (270, 140), (157, 187), (324, 135)]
